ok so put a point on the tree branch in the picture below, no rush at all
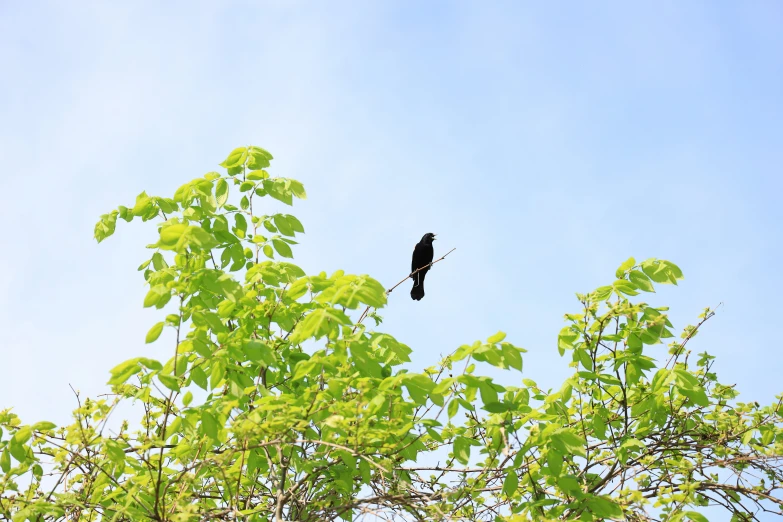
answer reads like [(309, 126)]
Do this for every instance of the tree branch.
[(390, 290)]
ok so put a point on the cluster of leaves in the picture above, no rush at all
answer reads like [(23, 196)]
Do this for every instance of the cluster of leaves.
[(278, 403)]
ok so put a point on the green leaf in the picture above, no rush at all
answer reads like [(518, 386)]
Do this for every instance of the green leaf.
[(554, 460), (17, 449), (170, 382), (566, 390), (511, 356), (279, 189), (44, 426), (351, 291), (609, 379), (123, 371), (105, 226), (225, 308), (497, 407), (150, 364), (602, 293), (366, 360), (199, 377), (259, 352), (568, 484), (318, 323), (604, 508), (154, 333), (584, 358), (511, 483), (143, 207), (496, 338), (120, 377), (627, 264), (282, 248), (296, 225), (170, 234), (298, 189), (257, 175), (236, 158), (188, 398), (269, 226), (641, 281), (452, 408), (114, 451), (685, 379), (209, 424), (241, 222), (444, 386), (419, 387), (259, 158), (625, 287), (23, 434), (461, 449), (695, 516), (674, 271), (221, 192), (281, 222), (697, 395), (566, 339), (304, 368), (488, 392), (158, 262), (662, 271), (197, 237), (157, 296), (568, 442), (5, 461)]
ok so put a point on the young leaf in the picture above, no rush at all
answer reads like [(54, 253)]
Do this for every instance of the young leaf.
[(496, 338), (236, 158), (209, 424), (641, 280), (695, 516), (221, 192), (511, 482), (282, 248), (170, 382), (604, 508), (154, 333), (627, 264), (5, 461), (461, 449)]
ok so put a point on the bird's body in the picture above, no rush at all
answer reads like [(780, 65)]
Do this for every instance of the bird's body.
[(422, 256)]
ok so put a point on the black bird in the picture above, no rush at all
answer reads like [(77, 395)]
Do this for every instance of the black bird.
[(422, 256)]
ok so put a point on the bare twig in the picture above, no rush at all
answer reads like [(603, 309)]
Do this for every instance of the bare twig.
[(390, 290)]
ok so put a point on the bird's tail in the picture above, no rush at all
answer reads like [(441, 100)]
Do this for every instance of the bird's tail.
[(417, 292)]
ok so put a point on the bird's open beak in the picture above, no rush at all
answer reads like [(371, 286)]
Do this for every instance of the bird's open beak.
[(433, 237)]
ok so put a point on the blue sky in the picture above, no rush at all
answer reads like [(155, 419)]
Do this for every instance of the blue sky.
[(547, 143)]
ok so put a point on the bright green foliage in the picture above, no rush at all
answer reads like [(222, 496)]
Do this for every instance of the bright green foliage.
[(276, 402)]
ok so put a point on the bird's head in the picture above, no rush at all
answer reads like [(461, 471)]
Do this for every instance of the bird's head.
[(429, 237)]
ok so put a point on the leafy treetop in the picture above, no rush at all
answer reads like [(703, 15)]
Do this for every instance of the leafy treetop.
[(278, 403)]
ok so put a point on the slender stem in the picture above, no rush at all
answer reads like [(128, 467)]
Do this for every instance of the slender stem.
[(390, 290)]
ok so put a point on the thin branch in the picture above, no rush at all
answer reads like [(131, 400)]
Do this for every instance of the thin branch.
[(390, 290)]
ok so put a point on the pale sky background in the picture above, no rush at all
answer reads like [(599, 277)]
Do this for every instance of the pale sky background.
[(548, 143)]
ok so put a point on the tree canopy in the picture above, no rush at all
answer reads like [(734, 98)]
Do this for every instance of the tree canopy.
[(278, 401)]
